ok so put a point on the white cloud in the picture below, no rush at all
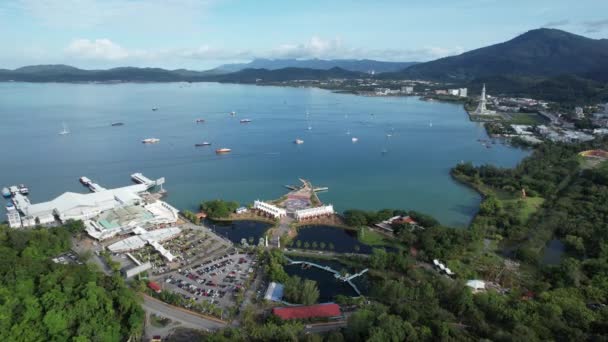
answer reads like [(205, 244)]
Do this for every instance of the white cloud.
[(98, 49), (594, 26), (318, 47), (108, 51)]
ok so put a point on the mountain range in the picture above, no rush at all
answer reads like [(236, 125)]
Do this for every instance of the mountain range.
[(358, 65), (544, 63)]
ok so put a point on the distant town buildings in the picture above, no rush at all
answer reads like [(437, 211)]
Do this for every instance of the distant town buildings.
[(579, 113), (407, 90)]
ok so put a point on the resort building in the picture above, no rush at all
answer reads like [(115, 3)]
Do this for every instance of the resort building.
[(269, 209), (310, 213)]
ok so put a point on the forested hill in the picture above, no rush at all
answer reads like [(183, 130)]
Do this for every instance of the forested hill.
[(65, 73), (537, 53), (44, 301)]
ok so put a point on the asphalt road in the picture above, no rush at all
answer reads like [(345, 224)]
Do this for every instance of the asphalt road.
[(187, 319)]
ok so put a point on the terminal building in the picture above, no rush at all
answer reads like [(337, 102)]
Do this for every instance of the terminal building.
[(269, 209), (105, 212)]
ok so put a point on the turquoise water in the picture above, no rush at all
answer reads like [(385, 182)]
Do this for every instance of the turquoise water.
[(412, 174)]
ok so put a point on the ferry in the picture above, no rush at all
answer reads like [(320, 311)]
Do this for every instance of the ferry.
[(354, 139), (150, 141), (6, 192), (23, 189), (199, 120), (85, 181), (223, 150), (298, 141), (205, 143), (245, 120), (117, 123)]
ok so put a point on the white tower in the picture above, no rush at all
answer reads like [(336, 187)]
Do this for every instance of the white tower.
[(481, 108)]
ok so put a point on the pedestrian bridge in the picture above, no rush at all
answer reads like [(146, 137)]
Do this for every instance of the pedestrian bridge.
[(345, 278)]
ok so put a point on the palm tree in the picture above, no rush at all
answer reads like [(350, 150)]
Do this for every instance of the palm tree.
[(322, 245), (306, 245), (299, 243), (314, 245), (331, 246)]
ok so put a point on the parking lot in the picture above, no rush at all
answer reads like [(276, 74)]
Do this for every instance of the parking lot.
[(216, 280), (190, 247)]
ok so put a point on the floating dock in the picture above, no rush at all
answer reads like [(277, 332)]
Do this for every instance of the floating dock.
[(94, 187)]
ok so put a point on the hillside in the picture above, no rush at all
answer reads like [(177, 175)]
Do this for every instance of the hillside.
[(359, 65), (285, 74), (538, 53)]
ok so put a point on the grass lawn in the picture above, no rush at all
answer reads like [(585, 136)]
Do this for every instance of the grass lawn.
[(526, 119), (531, 205)]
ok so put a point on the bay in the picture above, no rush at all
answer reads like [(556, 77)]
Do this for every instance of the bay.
[(426, 140)]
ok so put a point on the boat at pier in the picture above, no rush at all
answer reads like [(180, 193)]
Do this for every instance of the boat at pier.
[(205, 143), (85, 181), (23, 189), (150, 141), (223, 150), (6, 192)]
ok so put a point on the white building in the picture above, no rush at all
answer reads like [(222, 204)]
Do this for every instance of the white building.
[(270, 209), (135, 270), (454, 92), (314, 212), (407, 90), (579, 113), (463, 92)]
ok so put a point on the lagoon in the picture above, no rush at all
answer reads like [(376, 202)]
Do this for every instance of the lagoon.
[(413, 173)]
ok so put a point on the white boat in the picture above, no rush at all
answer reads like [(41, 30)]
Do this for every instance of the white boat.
[(23, 189), (65, 130), (6, 192), (245, 120), (233, 113), (354, 139), (150, 141), (298, 141)]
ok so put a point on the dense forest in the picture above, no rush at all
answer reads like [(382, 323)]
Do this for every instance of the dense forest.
[(44, 301)]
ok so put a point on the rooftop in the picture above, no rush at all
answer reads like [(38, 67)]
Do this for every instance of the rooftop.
[(303, 312)]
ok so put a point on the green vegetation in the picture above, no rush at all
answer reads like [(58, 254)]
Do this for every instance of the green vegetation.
[(370, 237), (44, 301), (301, 291), (191, 217), (218, 209)]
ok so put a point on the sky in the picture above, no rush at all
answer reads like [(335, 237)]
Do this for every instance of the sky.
[(202, 34)]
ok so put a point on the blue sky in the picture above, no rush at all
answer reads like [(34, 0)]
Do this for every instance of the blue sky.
[(200, 34)]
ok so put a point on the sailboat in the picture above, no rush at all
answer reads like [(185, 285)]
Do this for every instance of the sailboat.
[(308, 121), (65, 130)]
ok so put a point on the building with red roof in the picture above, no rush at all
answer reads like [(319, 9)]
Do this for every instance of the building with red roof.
[(328, 310)]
